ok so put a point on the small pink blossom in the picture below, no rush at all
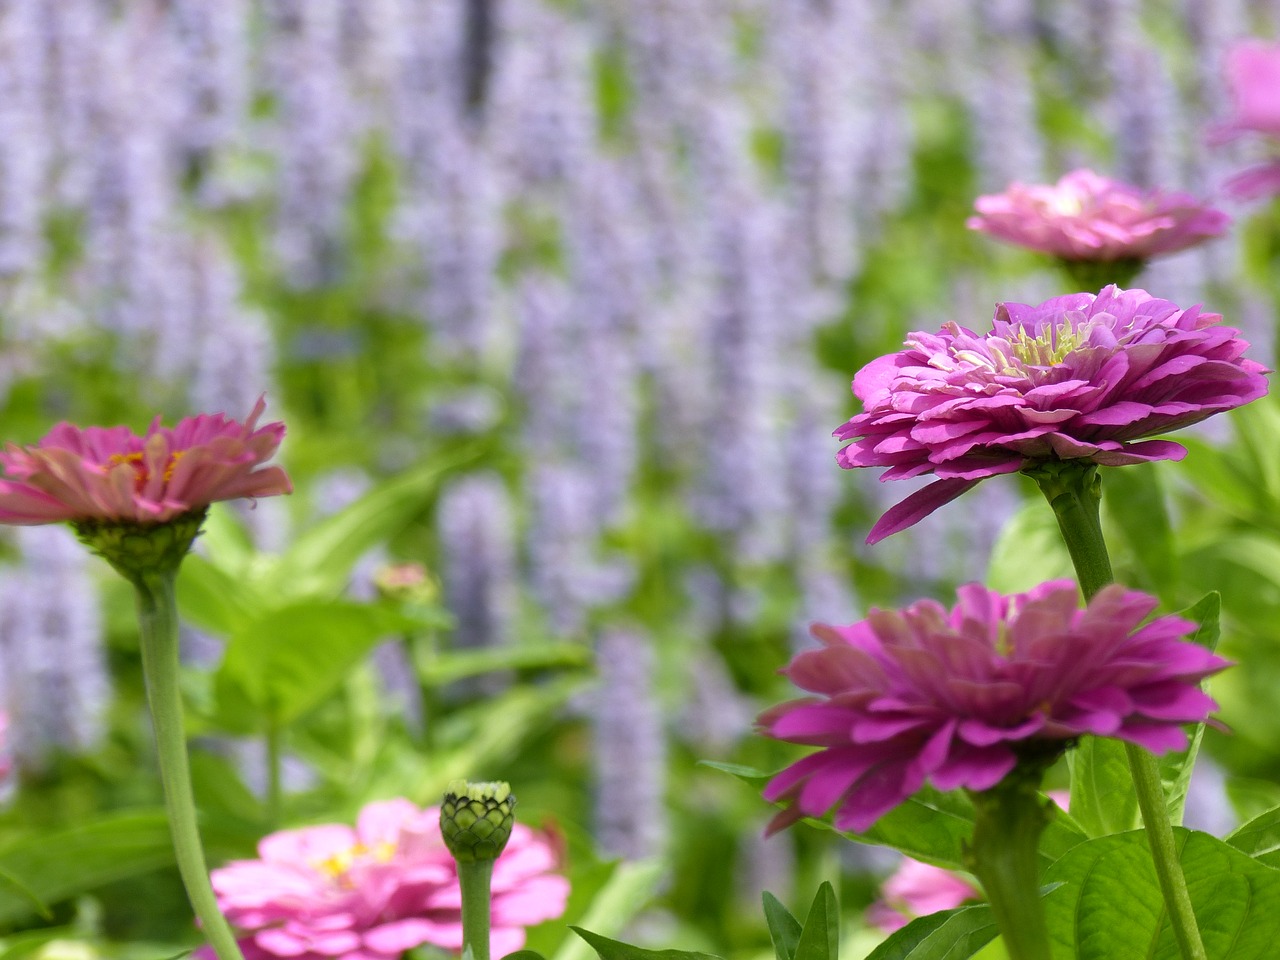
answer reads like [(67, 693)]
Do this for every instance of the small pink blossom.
[(1080, 377), (1253, 76), (375, 891), (112, 474), (916, 890), (956, 697), (1085, 216)]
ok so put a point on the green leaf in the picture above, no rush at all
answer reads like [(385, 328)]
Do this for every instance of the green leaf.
[(448, 667), (1029, 551), (321, 559), (1103, 799), (524, 955), (820, 938), (930, 825), (214, 599), (628, 891), (285, 662), (1176, 767), (58, 864), (784, 929), (608, 949), (1259, 838), (949, 935), (1111, 906), (10, 882)]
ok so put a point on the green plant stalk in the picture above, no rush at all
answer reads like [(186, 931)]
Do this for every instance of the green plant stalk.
[(1008, 821), (158, 620), (474, 877), (1074, 490)]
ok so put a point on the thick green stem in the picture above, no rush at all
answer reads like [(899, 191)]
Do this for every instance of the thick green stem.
[(1008, 821), (157, 613), (1074, 490), (474, 877)]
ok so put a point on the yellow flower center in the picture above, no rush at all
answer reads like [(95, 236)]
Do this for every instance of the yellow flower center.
[(137, 461), (337, 865), (1050, 348)]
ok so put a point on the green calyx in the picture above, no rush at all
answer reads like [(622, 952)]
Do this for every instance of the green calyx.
[(476, 819), (1090, 276), (137, 550)]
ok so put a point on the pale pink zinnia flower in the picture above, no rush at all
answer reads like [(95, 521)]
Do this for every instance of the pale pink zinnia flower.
[(1085, 216), (958, 697), (1253, 75), (111, 474), (1080, 377), (375, 891), (916, 890)]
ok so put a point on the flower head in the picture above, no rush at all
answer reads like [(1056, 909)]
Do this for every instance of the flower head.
[(916, 890), (476, 819), (1253, 76), (1080, 377), (1085, 216), (375, 891), (959, 697), (111, 475)]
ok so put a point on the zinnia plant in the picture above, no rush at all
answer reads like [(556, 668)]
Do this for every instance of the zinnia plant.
[(1083, 378), (983, 696), (383, 887), (1101, 230), (1253, 76), (139, 502)]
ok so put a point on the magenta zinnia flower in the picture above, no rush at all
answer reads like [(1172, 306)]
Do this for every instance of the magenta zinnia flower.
[(1253, 75), (375, 891), (1080, 377), (111, 474), (1085, 216), (958, 697), (916, 890)]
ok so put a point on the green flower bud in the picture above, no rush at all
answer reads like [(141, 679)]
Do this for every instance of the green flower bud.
[(136, 549), (476, 819)]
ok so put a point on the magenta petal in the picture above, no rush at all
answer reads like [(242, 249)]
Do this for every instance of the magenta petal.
[(918, 506)]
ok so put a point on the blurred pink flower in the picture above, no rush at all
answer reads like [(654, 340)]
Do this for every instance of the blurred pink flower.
[(375, 891), (916, 890), (957, 697), (1253, 75), (1080, 377), (112, 474), (1085, 216)]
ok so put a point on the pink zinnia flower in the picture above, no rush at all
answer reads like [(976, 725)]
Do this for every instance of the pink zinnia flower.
[(916, 890), (375, 891), (1085, 216), (1080, 377), (1253, 75), (958, 697), (111, 474)]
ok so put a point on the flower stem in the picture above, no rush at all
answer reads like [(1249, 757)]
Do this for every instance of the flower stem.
[(474, 877), (1074, 490), (1008, 821), (158, 619)]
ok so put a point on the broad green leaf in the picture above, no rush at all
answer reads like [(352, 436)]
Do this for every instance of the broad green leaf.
[(214, 599), (1259, 838), (820, 938), (949, 935), (930, 825), (58, 864), (608, 949), (1110, 905), (321, 558), (286, 662), (1029, 551), (524, 955), (628, 891), (1134, 503), (8, 882), (1103, 800), (1176, 767), (784, 929)]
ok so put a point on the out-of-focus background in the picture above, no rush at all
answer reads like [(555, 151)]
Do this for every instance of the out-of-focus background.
[(560, 300)]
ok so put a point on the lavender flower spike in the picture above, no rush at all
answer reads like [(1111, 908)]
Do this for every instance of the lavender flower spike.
[(961, 697), (1081, 377)]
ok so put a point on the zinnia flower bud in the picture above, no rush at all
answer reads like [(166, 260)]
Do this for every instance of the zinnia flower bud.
[(476, 819)]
